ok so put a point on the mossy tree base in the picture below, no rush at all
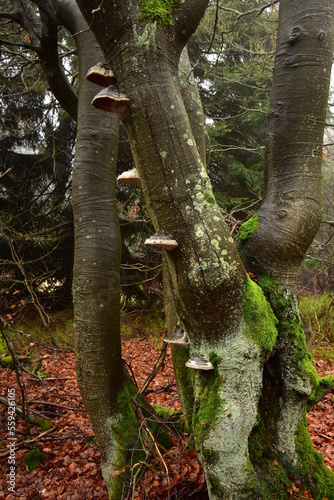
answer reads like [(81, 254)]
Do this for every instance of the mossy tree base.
[(247, 416), (133, 428), (223, 405)]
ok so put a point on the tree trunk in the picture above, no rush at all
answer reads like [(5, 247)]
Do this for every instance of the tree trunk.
[(226, 315), (110, 397), (96, 287), (275, 242)]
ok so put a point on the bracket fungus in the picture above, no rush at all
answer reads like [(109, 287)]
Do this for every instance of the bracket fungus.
[(199, 363), (101, 74), (112, 100), (130, 177), (162, 240), (178, 337)]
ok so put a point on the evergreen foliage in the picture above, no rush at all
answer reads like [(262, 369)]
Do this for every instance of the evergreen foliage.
[(234, 80)]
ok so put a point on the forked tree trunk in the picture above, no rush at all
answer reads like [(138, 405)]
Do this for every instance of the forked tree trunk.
[(226, 315)]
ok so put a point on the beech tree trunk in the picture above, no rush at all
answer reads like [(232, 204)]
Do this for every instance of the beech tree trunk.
[(96, 283), (250, 409), (288, 220)]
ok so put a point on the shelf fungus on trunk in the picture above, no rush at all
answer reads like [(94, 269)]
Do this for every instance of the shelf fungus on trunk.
[(178, 337), (199, 363), (129, 177), (101, 74), (162, 240), (113, 100)]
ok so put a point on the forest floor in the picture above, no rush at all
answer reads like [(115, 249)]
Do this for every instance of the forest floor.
[(71, 468)]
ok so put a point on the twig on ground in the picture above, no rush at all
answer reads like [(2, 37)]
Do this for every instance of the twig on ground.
[(156, 368)]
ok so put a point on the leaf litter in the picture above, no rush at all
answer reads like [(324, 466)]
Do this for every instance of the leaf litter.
[(72, 470)]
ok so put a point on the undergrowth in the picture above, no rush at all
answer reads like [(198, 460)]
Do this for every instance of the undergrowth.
[(317, 313)]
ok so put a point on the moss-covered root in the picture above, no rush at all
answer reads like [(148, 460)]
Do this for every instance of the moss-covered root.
[(324, 384), (298, 381), (310, 467), (225, 412), (129, 431), (294, 444), (122, 430)]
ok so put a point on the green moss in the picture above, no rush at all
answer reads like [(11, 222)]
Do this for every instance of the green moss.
[(322, 386), (2, 346), (210, 456), (158, 11), (269, 482), (248, 228), (209, 198), (128, 448), (34, 458), (7, 362), (209, 402), (291, 332), (43, 423), (258, 316), (302, 377), (256, 447), (185, 383), (320, 477), (273, 292), (215, 487), (170, 418), (129, 444)]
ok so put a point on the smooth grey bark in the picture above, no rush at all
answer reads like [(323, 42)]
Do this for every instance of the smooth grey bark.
[(193, 105), (96, 281), (291, 211), (289, 218)]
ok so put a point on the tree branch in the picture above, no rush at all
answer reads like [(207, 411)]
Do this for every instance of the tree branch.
[(186, 19)]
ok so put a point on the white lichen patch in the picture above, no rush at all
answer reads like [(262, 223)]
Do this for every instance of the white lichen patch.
[(190, 142), (146, 39), (228, 436), (107, 465), (199, 233), (163, 154), (215, 244), (200, 196)]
